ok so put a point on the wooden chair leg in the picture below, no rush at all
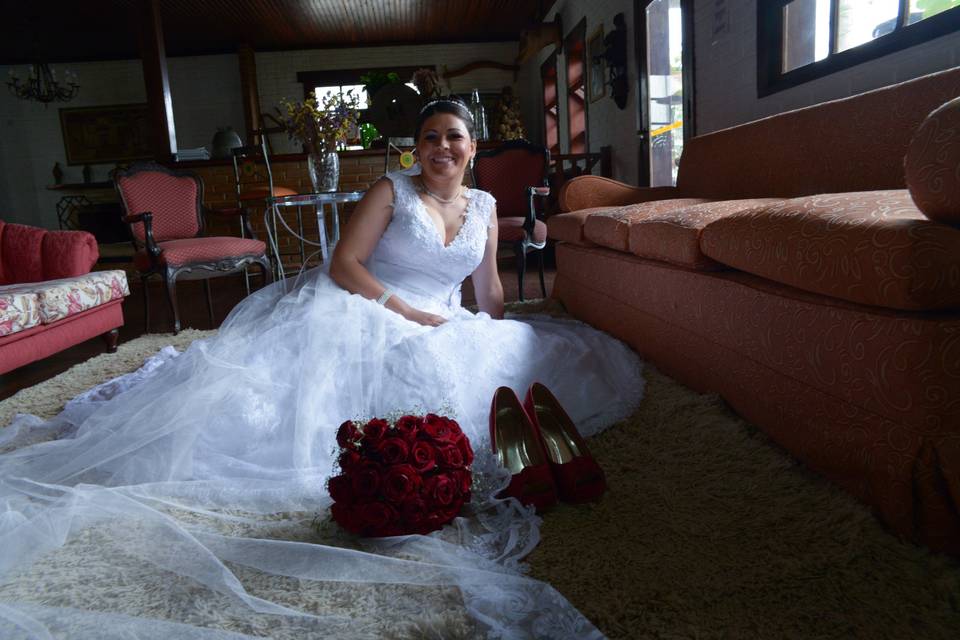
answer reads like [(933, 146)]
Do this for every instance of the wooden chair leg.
[(171, 281), (521, 252), (146, 303), (543, 286), (206, 290), (111, 337)]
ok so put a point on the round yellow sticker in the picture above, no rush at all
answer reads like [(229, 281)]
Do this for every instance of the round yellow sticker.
[(407, 159)]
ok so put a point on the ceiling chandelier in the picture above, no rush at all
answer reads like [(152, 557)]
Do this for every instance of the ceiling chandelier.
[(42, 85)]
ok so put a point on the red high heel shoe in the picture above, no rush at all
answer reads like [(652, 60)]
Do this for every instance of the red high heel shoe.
[(514, 439), (578, 476)]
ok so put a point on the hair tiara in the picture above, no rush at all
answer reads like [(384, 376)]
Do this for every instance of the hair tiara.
[(448, 100)]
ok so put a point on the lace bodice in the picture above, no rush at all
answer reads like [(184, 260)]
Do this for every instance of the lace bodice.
[(411, 258)]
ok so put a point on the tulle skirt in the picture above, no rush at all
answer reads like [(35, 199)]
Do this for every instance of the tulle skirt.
[(188, 499)]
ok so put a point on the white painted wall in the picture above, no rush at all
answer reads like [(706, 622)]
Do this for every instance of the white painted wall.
[(727, 70), (205, 92), (607, 125), (725, 76), (277, 71), (206, 95)]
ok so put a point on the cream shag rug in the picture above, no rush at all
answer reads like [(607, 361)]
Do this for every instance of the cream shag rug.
[(707, 531)]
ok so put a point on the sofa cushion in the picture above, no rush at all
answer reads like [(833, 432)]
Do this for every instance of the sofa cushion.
[(19, 310), (68, 253), (931, 165), (871, 247), (58, 299), (510, 229), (674, 236), (854, 144), (188, 250), (611, 227), (568, 227), (21, 249)]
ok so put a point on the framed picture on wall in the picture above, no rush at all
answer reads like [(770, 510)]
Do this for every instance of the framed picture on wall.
[(105, 134), (596, 74)]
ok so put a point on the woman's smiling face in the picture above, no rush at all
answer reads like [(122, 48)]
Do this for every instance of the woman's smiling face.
[(445, 147)]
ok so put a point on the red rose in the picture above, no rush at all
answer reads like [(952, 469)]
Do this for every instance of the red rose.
[(349, 459), (401, 482), (437, 428), (423, 456), (376, 516), (347, 517), (450, 457), (440, 490), (466, 451), (347, 435), (341, 489), (408, 427), (465, 481), (365, 480), (374, 430), (454, 427), (414, 511), (393, 450)]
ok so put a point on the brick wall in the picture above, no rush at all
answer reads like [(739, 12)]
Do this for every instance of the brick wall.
[(358, 170)]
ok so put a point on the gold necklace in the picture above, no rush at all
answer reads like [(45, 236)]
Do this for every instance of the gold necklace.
[(423, 185)]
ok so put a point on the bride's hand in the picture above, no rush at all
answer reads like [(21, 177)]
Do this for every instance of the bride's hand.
[(424, 318)]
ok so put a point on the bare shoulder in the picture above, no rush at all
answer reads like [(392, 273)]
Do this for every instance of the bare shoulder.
[(380, 193)]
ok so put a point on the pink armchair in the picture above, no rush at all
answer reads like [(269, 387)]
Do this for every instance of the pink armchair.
[(165, 212), (516, 172)]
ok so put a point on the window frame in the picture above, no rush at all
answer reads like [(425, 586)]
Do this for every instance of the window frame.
[(574, 55), (551, 108), (770, 77)]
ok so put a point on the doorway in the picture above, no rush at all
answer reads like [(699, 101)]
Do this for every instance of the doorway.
[(664, 36)]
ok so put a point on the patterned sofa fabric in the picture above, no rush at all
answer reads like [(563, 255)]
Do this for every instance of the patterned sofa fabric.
[(854, 144), (872, 247), (568, 227), (19, 310), (58, 299), (674, 236), (611, 228), (866, 396)]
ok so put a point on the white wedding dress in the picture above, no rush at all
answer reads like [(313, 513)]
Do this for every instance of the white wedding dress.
[(176, 502)]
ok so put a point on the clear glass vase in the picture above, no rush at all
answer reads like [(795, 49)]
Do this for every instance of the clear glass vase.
[(324, 169)]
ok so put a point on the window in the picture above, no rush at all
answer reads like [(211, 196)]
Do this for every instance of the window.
[(358, 90), (801, 40), (551, 117), (575, 50)]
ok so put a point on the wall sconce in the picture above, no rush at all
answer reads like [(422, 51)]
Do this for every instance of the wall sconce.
[(615, 55)]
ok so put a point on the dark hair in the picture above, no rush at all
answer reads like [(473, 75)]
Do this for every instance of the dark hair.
[(452, 106)]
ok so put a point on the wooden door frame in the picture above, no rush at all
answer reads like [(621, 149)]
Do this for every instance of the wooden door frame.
[(642, 92)]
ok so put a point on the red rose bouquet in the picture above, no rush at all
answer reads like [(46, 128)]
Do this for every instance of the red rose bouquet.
[(412, 476)]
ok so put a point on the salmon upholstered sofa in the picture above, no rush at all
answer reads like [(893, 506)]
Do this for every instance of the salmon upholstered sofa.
[(791, 271), (49, 299)]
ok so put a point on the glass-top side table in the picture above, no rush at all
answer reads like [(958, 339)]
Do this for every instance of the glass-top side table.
[(277, 207)]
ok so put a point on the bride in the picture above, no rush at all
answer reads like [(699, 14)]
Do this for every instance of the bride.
[(188, 499)]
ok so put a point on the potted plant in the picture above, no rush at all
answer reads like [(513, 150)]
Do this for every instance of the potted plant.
[(321, 128)]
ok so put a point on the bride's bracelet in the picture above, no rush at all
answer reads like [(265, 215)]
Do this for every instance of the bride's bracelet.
[(382, 300)]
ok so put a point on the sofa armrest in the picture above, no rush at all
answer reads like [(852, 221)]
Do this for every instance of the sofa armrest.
[(585, 192), (67, 254)]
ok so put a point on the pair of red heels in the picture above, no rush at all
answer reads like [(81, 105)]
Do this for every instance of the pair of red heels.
[(539, 444)]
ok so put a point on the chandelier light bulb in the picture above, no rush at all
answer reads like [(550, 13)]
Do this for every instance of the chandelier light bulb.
[(42, 85)]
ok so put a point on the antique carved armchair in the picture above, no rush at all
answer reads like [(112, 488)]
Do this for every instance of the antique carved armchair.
[(516, 174), (164, 209)]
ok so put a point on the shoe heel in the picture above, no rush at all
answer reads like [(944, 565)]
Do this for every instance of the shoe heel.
[(577, 475), (514, 440)]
